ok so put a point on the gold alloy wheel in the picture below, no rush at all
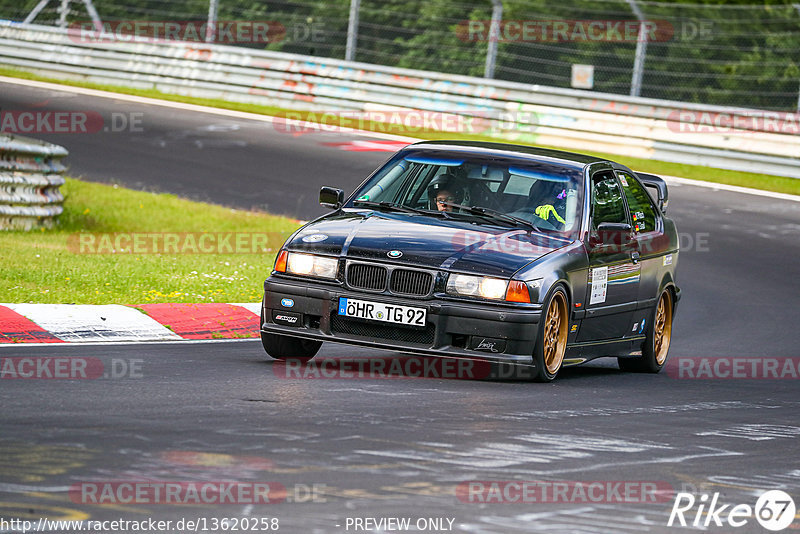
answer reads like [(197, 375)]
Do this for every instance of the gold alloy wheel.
[(555, 333), (662, 328)]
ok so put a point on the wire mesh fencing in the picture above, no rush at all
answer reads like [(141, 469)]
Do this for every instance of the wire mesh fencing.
[(710, 53)]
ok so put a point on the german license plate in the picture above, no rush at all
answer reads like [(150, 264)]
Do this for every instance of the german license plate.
[(380, 311)]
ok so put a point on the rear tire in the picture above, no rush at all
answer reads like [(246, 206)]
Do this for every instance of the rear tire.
[(656, 344), (551, 343)]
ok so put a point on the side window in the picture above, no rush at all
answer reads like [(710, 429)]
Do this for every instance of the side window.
[(643, 214), (607, 203), (416, 196)]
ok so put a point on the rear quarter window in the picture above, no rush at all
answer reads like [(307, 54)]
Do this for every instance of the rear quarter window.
[(643, 214)]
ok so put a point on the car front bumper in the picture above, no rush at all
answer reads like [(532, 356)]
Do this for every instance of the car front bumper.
[(454, 328)]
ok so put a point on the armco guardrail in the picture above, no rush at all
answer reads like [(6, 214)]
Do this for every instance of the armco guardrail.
[(30, 177), (750, 140)]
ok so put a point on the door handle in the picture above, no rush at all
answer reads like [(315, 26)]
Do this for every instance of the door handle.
[(635, 256)]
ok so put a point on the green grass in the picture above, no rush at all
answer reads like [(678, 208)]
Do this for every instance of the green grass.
[(745, 179), (47, 266)]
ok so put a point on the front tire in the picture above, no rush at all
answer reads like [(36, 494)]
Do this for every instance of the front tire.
[(289, 348), (551, 343), (656, 343)]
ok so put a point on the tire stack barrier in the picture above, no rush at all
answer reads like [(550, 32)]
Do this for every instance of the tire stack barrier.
[(31, 174)]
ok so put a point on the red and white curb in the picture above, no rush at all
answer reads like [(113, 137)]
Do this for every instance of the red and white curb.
[(79, 323)]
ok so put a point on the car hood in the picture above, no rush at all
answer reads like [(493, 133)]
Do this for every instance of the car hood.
[(424, 241)]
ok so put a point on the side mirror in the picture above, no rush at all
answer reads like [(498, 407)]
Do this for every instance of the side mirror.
[(330, 197), (619, 234), (656, 182)]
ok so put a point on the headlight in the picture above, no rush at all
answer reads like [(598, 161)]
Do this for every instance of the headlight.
[(311, 265), (476, 286)]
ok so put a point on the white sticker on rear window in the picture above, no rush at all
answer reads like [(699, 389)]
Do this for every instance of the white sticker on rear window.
[(599, 285)]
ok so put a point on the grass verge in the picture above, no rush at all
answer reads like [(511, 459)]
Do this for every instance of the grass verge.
[(765, 182), (56, 266)]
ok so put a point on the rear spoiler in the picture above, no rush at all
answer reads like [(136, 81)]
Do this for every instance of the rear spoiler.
[(656, 182)]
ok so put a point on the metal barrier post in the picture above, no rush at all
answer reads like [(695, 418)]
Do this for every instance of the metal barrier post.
[(352, 31), (211, 27), (494, 35), (641, 50)]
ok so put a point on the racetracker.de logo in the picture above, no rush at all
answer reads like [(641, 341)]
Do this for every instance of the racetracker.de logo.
[(563, 491), (177, 492), (739, 122), (733, 367), (382, 367), (30, 121), (560, 31), (68, 368), (162, 31), (513, 242), (174, 242), (396, 121), (392, 367)]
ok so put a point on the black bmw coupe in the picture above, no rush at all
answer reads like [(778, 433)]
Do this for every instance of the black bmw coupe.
[(484, 251)]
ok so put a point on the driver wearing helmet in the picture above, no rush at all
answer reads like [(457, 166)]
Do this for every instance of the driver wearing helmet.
[(443, 191)]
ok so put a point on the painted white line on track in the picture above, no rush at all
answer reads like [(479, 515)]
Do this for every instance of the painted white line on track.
[(732, 188), (115, 343), (313, 125), (86, 322)]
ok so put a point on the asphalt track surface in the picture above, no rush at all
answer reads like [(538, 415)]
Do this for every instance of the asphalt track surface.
[(400, 447)]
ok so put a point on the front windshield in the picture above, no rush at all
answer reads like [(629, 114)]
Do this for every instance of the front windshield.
[(545, 195)]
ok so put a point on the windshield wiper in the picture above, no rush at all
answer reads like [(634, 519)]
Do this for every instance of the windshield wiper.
[(496, 215), (389, 206)]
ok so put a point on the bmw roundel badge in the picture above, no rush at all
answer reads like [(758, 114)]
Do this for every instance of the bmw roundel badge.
[(394, 253), (315, 238)]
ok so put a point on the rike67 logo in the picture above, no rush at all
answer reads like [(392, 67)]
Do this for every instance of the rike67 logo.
[(774, 510)]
